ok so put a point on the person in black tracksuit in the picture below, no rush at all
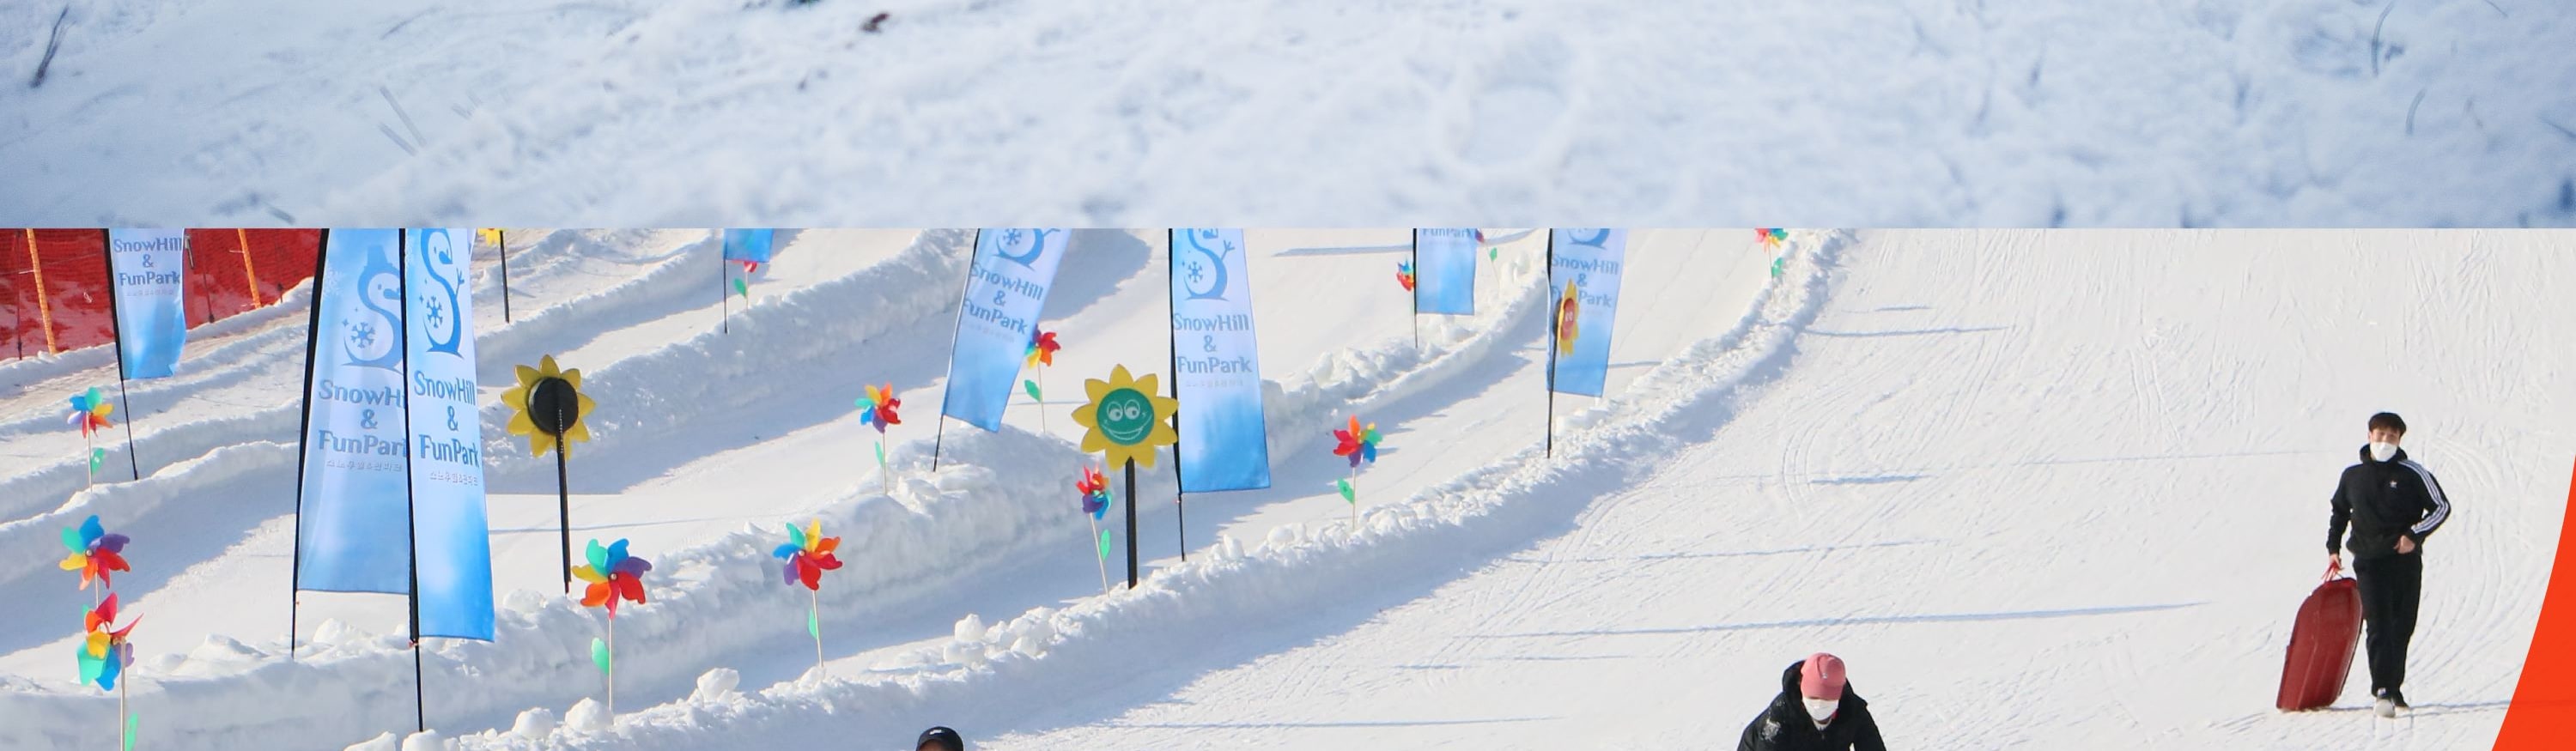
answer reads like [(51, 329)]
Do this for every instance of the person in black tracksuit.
[(1787, 724), (2391, 504)]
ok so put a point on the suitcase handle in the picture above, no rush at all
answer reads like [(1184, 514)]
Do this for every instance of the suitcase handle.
[(2333, 569)]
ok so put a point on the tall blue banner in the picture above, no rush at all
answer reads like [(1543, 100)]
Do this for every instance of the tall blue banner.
[(1225, 444), (352, 523), (151, 317), (747, 245), (1006, 288), (447, 516), (1444, 271), (1583, 275)]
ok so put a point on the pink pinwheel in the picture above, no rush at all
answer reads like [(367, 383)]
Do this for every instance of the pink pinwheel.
[(808, 554), (1359, 443), (94, 552), (613, 576)]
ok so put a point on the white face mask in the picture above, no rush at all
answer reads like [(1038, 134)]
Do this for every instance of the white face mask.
[(1821, 710), (2381, 450)]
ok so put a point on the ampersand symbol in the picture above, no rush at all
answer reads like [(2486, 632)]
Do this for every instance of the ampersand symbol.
[(1207, 342), (367, 419), (997, 297), (451, 418)]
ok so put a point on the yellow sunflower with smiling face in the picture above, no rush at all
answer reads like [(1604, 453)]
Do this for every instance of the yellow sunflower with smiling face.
[(548, 407), (1126, 418)]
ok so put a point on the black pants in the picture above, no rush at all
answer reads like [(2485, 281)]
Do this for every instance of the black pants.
[(2390, 587)]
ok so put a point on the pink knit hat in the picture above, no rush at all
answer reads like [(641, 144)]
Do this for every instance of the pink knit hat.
[(1821, 677)]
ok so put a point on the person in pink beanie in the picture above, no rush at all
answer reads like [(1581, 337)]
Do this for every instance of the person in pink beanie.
[(1815, 711)]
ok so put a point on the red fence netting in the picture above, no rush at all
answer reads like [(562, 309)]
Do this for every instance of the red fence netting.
[(54, 282)]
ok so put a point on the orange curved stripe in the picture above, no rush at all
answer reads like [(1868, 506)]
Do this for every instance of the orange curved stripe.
[(2543, 714)]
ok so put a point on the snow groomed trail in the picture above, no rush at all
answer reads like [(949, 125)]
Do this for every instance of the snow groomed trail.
[(2035, 486)]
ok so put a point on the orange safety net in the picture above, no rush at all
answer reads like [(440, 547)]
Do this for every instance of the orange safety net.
[(54, 282)]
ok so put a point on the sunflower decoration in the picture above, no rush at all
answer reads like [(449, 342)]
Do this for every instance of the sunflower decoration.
[(1126, 418), (104, 653), (548, 407), (1569, 308), (1404, 274), (613, 576), (95, 552)]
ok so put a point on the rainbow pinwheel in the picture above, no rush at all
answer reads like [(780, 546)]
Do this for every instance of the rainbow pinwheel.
[(808, 554), (90, 410), (1042, 349), (1358, 443), (105, 654), (877, 408), (1404, 275), (1095, 492), (1569, 309), (1771, 237), (94, 552), (613, 576)]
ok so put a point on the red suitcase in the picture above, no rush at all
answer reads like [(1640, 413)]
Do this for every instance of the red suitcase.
[(2321, 645)]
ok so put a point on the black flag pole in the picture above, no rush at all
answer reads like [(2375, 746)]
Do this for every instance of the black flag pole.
[(501, 238), (724, 303), (411, 525), (1416, 263), (1555, 310), (939, 431), (1131, 524), (116, 323), (1180, 491), (295, 560)]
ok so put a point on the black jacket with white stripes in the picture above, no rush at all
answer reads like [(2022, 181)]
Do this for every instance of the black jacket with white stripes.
[(2383, 501)]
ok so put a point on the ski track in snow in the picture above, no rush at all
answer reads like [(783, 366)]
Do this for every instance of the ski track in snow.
[(727, 112)]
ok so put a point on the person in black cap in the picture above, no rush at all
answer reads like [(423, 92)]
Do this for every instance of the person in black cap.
[(939, 739), (2391, 504)]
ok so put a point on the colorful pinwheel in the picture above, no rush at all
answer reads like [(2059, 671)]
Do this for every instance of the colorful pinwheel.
[(1569, 309), (89, 411), (613, 576), (1042, 349), (1771, 237), (1358, 443), (105, 654), (1095, 492), (877, 408), (94, 552), (808, 554), (1404, 275)]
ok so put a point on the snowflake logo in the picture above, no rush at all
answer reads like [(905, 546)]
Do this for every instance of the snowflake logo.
[(1195, 274), (437, 311), (363, 335)]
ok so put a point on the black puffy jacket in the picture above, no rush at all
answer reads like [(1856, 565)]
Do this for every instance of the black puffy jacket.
[(1785, 726), (2382, 501)]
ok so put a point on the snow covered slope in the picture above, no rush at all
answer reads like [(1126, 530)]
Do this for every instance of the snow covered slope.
[(1738, 112), (2035, 486)]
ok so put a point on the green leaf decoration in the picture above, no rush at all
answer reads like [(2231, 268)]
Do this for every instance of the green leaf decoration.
[(1778, 265), (881, 453), (1494, 252), (1031, 386), (1348, 495), (814, 624), (1104, 545), (133, 722), (599, 654), (742, 288), (97, 457)]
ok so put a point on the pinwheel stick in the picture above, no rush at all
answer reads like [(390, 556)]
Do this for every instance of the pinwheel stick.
[(612, 664), (816, 614), (1355, 502), (1096, 554), (124, 731), (89, 455), (1040, 396)]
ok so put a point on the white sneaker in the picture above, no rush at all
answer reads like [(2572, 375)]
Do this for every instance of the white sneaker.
[(2386, 707)]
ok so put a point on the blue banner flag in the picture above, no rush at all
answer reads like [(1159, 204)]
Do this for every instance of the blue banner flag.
[(1583, 277), (448, 522), (747, 245), (1006, 289), (352, 525), (151, 317), (1225, 443), (1444, 271)]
